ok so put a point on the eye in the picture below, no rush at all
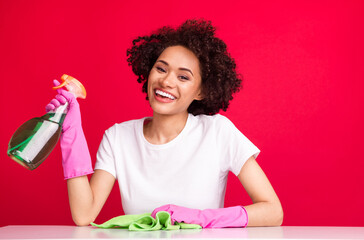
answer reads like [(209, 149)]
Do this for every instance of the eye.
[(160, 69), (184, 78)]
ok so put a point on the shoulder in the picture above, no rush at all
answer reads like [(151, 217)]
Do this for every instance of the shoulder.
[(213, 125), (216, 120), (124, 127)]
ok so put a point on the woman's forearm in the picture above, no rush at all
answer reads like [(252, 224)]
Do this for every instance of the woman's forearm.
[(81, 200), (264, 214), (87, 198)]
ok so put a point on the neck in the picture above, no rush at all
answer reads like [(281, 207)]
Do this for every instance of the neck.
[(164, 128)]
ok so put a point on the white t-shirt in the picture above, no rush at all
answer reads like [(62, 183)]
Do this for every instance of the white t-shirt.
[(190, 171)]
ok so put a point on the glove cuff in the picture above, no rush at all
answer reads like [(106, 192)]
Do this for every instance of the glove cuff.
[(76, 159)]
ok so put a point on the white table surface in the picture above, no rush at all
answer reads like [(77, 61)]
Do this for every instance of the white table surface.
[(73, 232)]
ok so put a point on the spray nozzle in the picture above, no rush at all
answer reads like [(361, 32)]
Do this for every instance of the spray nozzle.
[(73, 85)]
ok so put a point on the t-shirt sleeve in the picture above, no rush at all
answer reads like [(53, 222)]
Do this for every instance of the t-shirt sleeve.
[(105, 157), (236, 147)]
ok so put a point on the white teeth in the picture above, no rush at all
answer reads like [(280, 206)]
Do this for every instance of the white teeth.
[(164, 94)]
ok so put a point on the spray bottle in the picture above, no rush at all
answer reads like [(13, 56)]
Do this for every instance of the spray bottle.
[(33, 141)]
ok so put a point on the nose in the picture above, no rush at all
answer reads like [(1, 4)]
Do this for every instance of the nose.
[(168, 81)]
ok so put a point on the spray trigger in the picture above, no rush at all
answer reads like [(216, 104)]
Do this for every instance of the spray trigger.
[(72, 85)]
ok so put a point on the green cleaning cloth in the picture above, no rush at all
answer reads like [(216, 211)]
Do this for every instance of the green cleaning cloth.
[(145, 222)]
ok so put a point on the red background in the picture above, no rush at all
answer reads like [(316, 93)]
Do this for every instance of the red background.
[(302, 101)]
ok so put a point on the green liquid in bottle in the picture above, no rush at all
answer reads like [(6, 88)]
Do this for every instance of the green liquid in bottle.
[(33, 141)]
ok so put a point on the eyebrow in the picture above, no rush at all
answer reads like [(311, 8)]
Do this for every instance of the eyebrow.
[(184, 69)]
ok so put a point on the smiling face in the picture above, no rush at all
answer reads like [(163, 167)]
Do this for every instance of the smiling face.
[(174, 81)]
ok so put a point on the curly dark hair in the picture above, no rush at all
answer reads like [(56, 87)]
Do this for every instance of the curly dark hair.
[(219, 78)]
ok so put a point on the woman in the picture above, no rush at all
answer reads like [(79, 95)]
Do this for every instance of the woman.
[(178, 159)]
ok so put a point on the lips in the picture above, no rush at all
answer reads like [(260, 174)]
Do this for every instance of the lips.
[(164, 95)]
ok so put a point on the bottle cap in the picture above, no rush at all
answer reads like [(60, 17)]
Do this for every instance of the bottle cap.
[(73, 85)]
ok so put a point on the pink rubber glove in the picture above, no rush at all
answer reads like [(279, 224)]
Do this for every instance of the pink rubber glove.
[(76, 159), (208, 218)]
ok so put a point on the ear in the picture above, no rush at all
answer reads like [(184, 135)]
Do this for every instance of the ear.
[(199, 96)]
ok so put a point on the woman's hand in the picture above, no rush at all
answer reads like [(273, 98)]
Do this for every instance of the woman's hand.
[(76, 159), (73, 117), (208, 218)]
